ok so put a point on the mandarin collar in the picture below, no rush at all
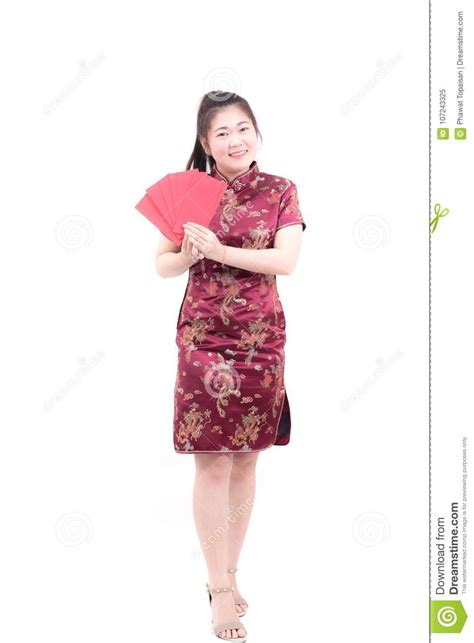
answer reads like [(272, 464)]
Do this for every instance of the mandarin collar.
[(241, 181)]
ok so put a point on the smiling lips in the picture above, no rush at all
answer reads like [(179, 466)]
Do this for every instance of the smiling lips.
[(241, 153)]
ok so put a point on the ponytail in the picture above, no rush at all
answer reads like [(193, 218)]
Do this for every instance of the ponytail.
[(198, 158)]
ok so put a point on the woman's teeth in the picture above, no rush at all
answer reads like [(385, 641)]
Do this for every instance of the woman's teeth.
[(239, 153)]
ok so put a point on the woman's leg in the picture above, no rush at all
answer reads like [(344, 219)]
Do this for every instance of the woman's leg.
[(211, 515), (241, 498)]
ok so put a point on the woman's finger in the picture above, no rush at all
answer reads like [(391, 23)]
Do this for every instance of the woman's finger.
[(189, 248), (197, 252), (194, 234), (186, 244), (195, 243)]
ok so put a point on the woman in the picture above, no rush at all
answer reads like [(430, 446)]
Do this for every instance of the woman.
[(230, 401)]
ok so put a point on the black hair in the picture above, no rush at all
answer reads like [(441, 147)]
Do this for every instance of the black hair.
[(210, 104)]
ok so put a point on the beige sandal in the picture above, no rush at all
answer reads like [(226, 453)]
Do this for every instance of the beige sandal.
[(239, 599), (231, 625)]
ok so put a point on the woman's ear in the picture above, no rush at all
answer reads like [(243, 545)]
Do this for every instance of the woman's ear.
[(204, 145)]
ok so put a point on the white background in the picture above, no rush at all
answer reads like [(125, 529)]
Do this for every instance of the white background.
[(99, 542)]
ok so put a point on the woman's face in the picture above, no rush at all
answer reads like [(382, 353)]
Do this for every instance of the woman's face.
[(231, 131)]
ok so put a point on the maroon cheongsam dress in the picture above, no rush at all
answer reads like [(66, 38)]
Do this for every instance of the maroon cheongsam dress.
[(229, 394)]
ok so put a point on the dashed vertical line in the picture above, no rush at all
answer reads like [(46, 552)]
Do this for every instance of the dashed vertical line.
[(429, 321)]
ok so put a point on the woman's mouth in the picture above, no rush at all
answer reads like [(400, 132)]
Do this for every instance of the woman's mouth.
[(238, 154)]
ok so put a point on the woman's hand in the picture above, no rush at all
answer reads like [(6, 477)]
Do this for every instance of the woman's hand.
[(205, 241), (189, 251)]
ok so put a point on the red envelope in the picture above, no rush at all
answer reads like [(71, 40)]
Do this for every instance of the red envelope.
[(149, 209), (179, 197)]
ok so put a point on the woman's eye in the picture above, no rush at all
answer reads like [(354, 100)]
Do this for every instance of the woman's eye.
[(222, 133)]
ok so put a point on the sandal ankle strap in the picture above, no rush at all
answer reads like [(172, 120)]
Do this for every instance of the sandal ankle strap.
[(219, 590)]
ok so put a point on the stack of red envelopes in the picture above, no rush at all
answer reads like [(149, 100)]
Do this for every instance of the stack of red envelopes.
[(180, 197)]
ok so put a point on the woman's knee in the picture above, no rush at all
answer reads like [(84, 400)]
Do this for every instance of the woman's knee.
[(215, 465), (244, 463)]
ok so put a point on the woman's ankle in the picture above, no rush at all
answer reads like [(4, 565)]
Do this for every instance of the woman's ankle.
[(219, 582)]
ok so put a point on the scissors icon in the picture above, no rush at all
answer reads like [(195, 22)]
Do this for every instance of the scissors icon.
[(439, 214)]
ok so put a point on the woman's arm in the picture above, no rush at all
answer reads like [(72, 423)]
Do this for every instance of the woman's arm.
[(279, 260), (170, 261)]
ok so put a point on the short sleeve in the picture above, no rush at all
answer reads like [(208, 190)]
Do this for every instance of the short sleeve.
[(289, 212)]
